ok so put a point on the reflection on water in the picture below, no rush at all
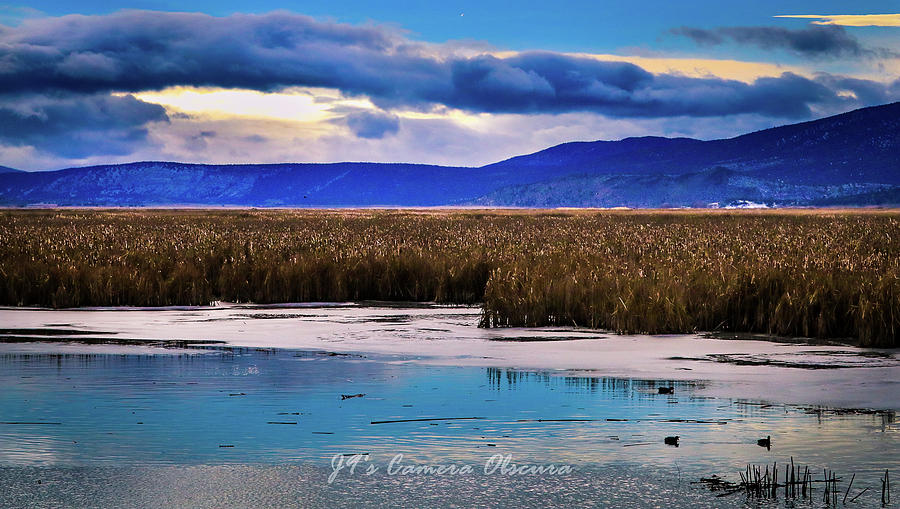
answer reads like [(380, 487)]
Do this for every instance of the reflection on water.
[(234, 406), (230, 427)]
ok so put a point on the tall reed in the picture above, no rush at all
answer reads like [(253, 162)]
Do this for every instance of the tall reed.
[(831, 274)]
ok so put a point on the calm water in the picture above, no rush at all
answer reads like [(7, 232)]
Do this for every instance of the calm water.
[(120, 425)]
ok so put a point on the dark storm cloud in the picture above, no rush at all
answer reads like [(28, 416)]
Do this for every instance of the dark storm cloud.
[(371, 125), (542, 82), (539, 82), (133, 51), (829, 41), (77, 126)]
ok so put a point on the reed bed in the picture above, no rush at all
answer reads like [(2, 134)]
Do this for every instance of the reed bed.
[(825, 274)]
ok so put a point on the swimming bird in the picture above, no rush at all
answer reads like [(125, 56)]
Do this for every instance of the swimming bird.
[(671, 441), (765, 442), (666, 390)]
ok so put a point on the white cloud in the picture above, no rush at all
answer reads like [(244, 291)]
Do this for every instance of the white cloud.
[(850, 20)]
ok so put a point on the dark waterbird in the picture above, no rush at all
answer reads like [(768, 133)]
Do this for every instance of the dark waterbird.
[(765, 442), (666, 390), (672, 441)]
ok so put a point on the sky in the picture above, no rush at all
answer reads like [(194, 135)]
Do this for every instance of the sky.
[(465, 83)]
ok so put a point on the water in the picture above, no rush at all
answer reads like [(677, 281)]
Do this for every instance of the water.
[(120, 424), (447, 335)]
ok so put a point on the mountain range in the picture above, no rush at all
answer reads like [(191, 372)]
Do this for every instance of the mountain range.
[(852, 159)]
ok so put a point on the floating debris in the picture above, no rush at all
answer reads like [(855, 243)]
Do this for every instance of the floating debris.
[(613, 419), (50, 332), (348, 396), (716, 483), (536, 339), (558, 420), (30, 423), (427, 419)]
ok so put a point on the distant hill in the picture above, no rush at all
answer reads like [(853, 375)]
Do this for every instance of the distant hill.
[(719, 187), (859, 146), (165, 183), (849, 159), (6, 169)]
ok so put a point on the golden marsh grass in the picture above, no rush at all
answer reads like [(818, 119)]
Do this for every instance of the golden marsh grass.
[(828, 274)]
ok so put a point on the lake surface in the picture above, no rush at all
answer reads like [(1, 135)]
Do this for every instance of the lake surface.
[(229, 426), (784, 372)]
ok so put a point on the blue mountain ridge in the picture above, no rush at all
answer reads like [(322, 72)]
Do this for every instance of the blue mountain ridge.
[(847, 159)]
